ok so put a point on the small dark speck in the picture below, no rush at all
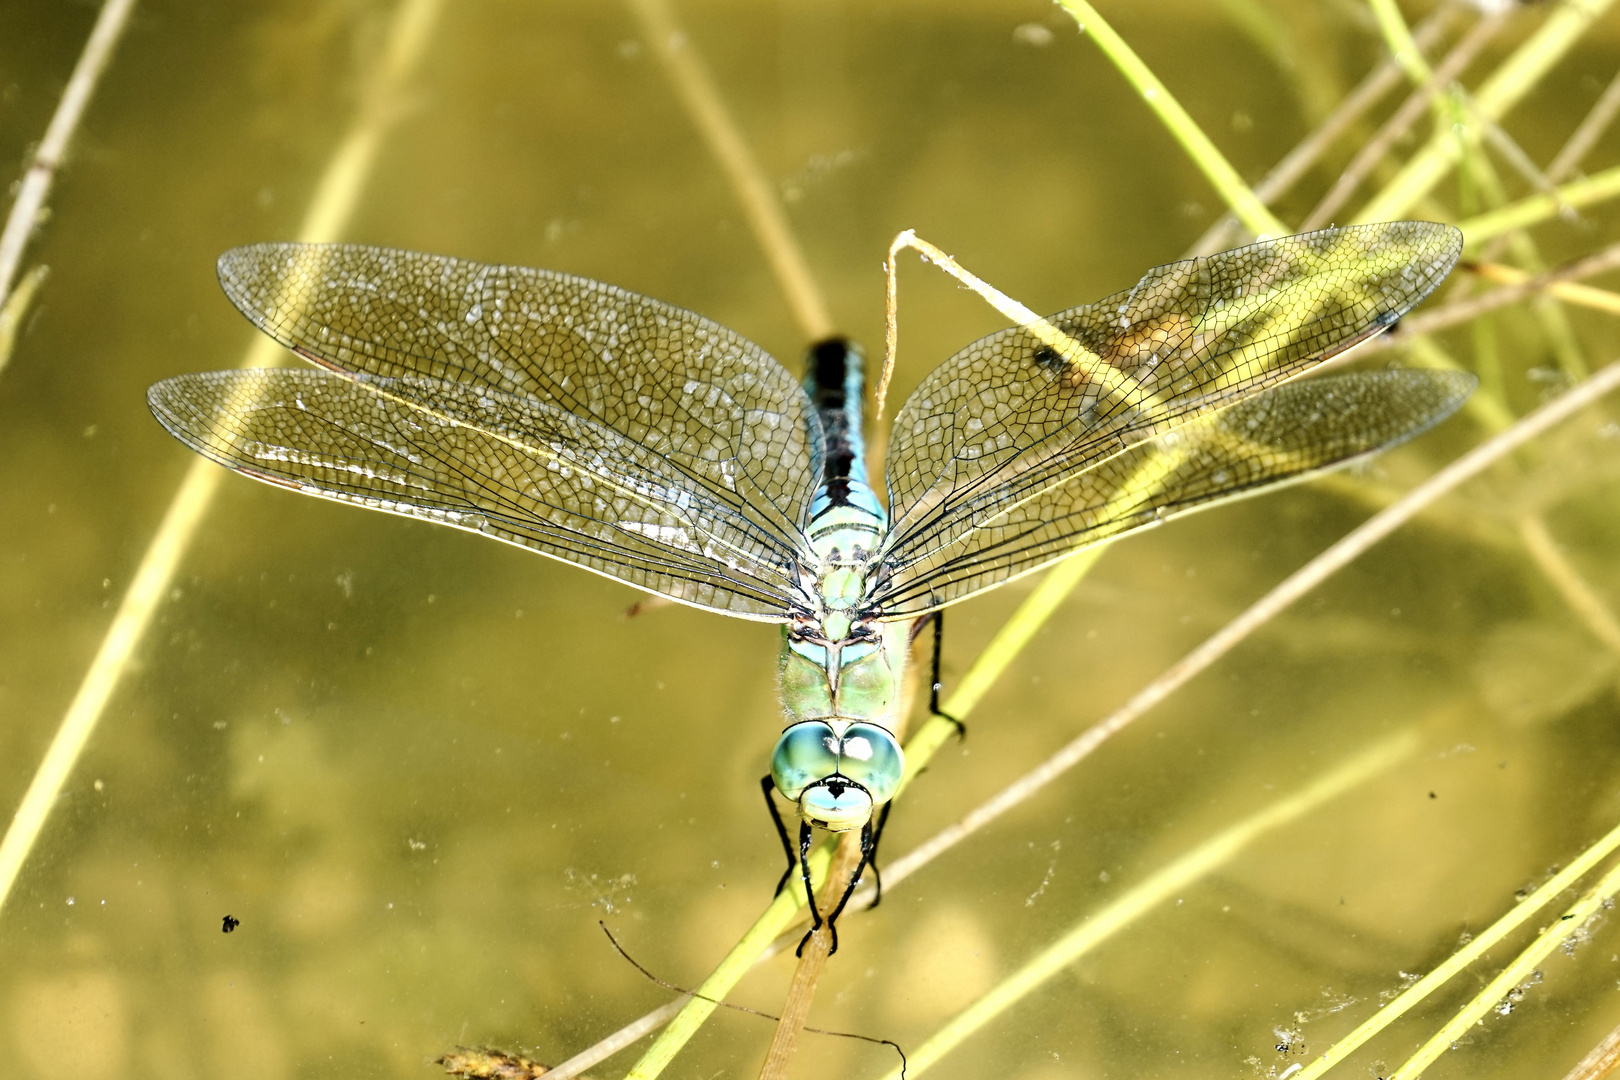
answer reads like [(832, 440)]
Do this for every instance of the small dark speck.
[(1047, 356), (1432, 795), (229, 923)]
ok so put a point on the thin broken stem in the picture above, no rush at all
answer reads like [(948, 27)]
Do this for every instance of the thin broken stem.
[(812, 962), (1568, 581), (1043, 331), (1410, 111), (47, 159), (1502, 90), (334, 201), (1297, 162), (1464, 310), (1600, 1062), (756, 196)]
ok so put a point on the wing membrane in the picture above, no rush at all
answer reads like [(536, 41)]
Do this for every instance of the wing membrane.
[(666, 380), (506, 466), (1009, 420), (1280, 435)]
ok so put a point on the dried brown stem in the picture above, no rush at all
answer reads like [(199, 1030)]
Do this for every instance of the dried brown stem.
[(1464, 310), (812, 961), (695, 88), (1461, 55), (36, 182), (1586, 134), (1569, 583), (1298, 161), (1601, 1061)]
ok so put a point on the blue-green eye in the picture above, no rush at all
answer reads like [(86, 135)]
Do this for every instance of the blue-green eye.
[(805, 753), (872, 759)]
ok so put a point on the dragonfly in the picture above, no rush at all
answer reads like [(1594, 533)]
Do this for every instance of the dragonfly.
[(649, 444)]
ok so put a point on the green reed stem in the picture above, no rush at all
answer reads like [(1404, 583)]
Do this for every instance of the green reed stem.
[(1216, 169), (1009, 641), (1462, 958), (738, 962), (16, 306), (1538, 208), (1523, 965), (1095, 928), (1398, 37), (991, 663), (1517, 75)]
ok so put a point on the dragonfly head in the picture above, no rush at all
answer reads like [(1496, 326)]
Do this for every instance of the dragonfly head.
[(837, 771)]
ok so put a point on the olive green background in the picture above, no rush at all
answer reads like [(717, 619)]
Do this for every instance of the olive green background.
[(419, 766)]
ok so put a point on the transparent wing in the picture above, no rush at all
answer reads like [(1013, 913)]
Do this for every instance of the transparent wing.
[(506, 466), (733, 421), (1009, 420), (1277, 436)]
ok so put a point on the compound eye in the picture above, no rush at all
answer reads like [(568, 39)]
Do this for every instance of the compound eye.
[(873, 759), (805, 753)]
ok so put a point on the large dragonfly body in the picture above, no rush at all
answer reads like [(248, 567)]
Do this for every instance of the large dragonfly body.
[(649, 444)]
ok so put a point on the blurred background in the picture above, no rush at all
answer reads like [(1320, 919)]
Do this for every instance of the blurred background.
[(419, 766)]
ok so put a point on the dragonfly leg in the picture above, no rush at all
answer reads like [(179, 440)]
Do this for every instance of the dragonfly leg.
[(768, 786), (809, 889), (868, 852), (933, 678), (877, 838)]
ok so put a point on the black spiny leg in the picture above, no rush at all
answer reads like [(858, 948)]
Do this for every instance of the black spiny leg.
[(877, 838), (868, 850), (933, 680), (768, 785), (809, 889)]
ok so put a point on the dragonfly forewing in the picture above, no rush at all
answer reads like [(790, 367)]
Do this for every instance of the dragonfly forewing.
[(665, 378), (1008, 421), (494, 463)]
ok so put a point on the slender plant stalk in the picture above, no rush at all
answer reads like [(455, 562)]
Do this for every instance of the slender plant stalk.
[(1571, 586), (334, 201), (1602, 1060), (1428, 91), (1497, 990), (47, 159), (1525, 287), (1604, 300), (1535, 209), (15, 307), (1587, 133), (1522, 912), (755, 194), (813, 956), (1298, 161), (1095, 928), (1516, 76), (1216, 169)]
